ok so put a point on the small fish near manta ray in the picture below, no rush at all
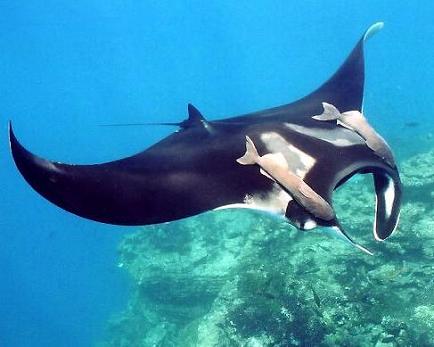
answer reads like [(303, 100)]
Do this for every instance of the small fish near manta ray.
[(304, 150)]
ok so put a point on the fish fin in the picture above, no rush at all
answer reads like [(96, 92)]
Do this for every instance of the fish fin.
[(194, 115), (330, 113), (251, 155), (195, 119)]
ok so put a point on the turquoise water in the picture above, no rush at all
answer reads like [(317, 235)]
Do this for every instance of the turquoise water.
[(66, 68)]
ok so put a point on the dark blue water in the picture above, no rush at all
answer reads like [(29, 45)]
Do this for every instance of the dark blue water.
[(66, 68)]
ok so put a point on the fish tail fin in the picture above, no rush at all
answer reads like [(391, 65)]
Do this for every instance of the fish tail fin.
[(330, 113), (251, 155)]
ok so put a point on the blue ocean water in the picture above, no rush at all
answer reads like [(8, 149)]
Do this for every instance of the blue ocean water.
[(65, 68)]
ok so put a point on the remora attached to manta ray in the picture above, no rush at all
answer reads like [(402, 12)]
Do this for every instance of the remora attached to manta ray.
[(354, 120), (195, 169), (275, 167)]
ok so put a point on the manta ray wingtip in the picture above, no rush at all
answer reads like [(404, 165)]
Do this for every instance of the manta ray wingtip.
[(12, 137), (372, 30), (10, 130)]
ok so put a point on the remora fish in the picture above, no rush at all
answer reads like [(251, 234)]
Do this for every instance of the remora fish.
[(196, 170), (275, 167), (356, 121)]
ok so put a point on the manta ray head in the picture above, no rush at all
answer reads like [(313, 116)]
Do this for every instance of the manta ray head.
[(325, 155)]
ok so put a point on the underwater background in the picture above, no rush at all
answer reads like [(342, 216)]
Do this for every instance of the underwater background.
[(220, 279)]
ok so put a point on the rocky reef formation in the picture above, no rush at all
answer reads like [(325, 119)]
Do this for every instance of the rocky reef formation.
[(240, 278)]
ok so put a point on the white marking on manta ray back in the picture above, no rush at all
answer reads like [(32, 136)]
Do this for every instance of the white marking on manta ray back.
[(297, 161), (340, 138)]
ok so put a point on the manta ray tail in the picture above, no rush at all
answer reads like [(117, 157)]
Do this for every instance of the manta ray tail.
[(138, 124), (194, 118)]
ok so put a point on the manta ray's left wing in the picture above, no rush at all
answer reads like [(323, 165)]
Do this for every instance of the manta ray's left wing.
[(189, 172)]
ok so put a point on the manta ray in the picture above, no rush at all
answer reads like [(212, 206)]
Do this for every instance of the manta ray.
[(285, 160)]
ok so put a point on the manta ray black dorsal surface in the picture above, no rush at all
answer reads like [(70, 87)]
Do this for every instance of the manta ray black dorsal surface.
[(196, 169)]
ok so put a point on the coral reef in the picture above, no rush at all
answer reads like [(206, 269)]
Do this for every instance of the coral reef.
[(240, 278)]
